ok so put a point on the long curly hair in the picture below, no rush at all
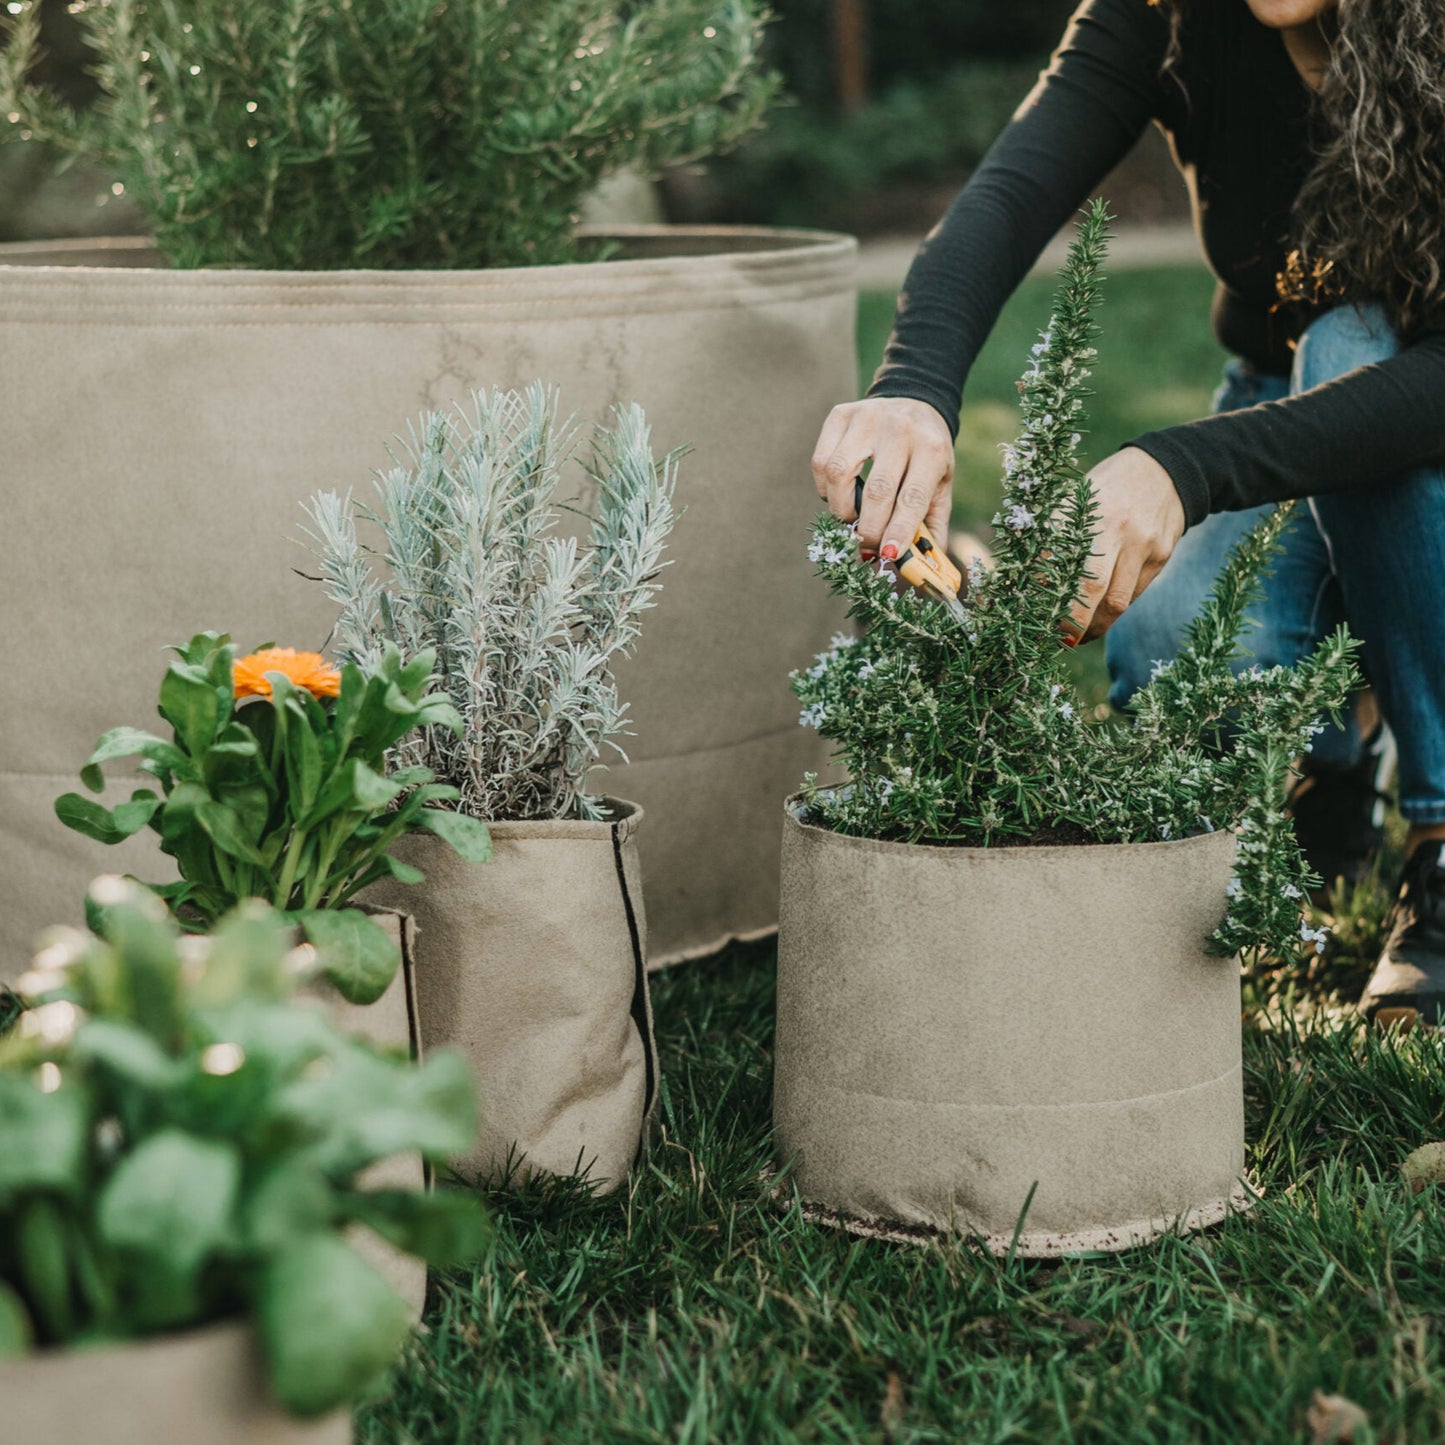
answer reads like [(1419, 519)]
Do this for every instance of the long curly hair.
[(1369, 220)]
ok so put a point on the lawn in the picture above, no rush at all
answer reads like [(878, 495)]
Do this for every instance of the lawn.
[(696, 1307)]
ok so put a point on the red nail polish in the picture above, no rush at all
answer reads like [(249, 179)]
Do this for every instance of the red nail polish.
[(889, 552), (867, 554)]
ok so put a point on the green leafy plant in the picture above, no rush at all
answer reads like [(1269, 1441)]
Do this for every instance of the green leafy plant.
[(315, 134), (274, 785), (970, 731), (180, 1141), (525, 622)]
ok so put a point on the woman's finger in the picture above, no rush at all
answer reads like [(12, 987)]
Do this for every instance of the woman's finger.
[(939, 516), (930, 470), (1091, 592), (834, 429), (890, 463), (1123, 587)]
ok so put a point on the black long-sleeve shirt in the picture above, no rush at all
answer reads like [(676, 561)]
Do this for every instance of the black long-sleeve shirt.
[(1239, 117)]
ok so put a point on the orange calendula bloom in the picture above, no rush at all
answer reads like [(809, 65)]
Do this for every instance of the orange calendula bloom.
[(306, 669)]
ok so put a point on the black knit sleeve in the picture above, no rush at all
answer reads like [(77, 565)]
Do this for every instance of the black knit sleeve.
[(1366, 427), (1089, 107)]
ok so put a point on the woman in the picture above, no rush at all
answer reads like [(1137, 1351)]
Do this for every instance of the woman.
[(1312, 136)]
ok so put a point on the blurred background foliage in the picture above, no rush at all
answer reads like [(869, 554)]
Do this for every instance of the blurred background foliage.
[(890, 104)]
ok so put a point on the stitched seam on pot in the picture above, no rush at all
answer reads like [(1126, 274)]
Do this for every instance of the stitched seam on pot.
[(742, 300), (164, 298), (1236, 1072), (791, 730)]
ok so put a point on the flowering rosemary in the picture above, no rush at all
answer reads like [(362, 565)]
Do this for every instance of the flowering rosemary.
[(970, 731), (527, 622)]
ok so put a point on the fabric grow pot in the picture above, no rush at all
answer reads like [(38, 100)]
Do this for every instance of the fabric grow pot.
[(206, 1385), (534, 964), (962, 1028), (162, 428)]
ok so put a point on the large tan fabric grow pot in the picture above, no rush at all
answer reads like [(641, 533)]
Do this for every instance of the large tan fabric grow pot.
[(161, 428), (533, 964), (204, 1387), (962, 1028)]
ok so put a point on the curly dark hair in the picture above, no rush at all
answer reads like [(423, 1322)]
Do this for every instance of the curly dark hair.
[(1369, 220)]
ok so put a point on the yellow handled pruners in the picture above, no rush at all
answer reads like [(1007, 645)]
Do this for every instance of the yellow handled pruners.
[(925, 564)]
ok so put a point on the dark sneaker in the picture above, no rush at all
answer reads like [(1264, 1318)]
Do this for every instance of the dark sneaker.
[(1339, 813), (1408, 983)]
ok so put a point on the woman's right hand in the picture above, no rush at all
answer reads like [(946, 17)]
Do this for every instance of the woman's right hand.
[(911, 480)]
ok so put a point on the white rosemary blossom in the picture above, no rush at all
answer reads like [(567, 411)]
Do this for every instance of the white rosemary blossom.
[(812, 716)]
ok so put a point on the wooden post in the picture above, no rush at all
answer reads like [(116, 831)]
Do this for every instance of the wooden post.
[(848, 33)]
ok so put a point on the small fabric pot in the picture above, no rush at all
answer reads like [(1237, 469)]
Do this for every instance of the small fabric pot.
[(992, 1040), (207, 1385), (534, 964)]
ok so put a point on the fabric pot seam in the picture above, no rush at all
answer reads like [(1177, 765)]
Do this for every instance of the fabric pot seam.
[(1236, 1071)]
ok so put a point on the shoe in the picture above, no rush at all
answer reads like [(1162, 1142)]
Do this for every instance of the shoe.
[(1408, 984), (1339, 813)]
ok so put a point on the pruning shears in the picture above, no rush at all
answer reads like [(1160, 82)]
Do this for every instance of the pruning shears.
[(925, 564)]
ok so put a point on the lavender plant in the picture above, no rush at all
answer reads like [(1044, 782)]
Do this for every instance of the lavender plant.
[(526, 621), (970, 731)]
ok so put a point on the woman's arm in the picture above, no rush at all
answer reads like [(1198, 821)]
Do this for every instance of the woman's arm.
[(1089, 107), (1363, 428)]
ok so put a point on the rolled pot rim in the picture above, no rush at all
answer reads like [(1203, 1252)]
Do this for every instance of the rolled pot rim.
[(620, 810), (688, 243), (793, 810), (241, 1323)]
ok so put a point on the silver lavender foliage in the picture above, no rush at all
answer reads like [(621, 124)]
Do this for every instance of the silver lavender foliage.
[(527, 619)]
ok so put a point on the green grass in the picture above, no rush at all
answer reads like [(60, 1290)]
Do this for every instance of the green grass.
[(696, 1309)]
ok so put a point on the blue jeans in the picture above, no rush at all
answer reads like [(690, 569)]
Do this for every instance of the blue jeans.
[(1374, 558)]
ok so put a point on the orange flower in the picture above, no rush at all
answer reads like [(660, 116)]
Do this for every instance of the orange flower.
[(306, 669)]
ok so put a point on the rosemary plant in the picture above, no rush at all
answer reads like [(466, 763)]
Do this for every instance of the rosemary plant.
[(313, 134), (526, 622), (970, 732)]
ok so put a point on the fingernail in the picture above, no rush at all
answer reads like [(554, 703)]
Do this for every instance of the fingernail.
[(867, 553), (889, 552)]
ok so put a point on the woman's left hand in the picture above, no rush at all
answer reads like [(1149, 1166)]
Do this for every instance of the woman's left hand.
[(1140, 520)]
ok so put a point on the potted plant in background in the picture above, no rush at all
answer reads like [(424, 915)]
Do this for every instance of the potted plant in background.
[(996, 1010), (357, 197), (180, 1146), (535, 965)]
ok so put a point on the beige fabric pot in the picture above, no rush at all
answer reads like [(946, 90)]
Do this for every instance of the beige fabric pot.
[(162, 427), (960, 1026), (204, 1387), (533, 964)]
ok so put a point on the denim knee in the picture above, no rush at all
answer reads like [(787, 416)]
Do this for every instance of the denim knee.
[(1135, 652), (1341, 340)]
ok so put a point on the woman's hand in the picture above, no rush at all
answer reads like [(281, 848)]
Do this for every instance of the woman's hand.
[(1140, 520), (911, 480)]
